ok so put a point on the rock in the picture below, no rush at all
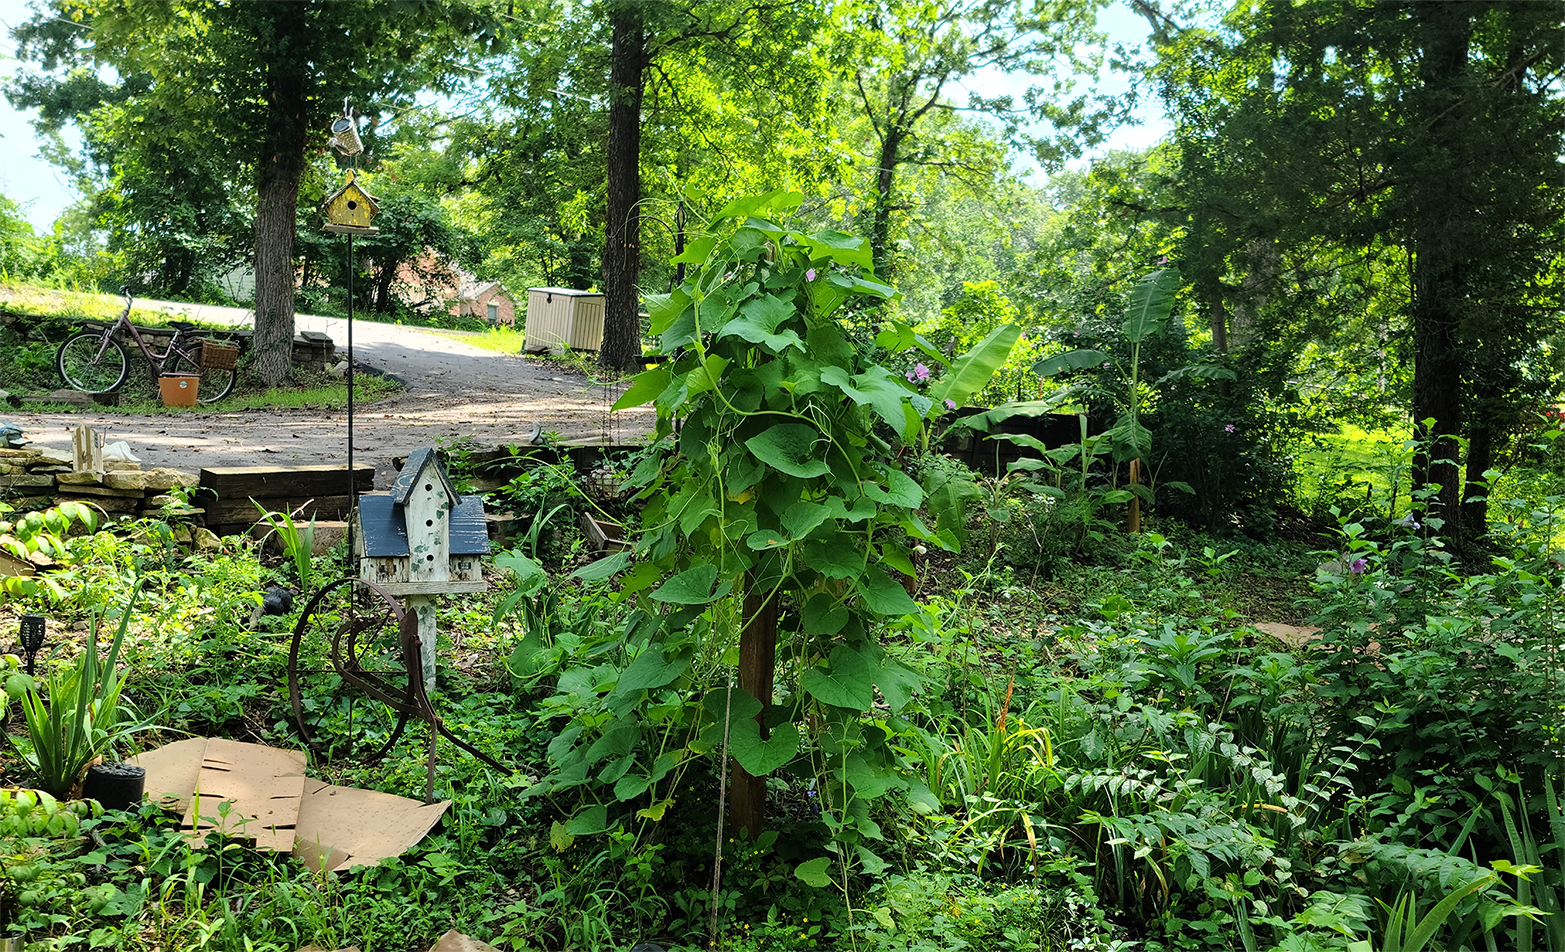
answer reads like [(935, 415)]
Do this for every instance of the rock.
[(88, 489), (123, 480), (73, 397), (24, 479), (206, 540), (15, 456), (164, 478), (103, 503), (121, 466), (79, 479)]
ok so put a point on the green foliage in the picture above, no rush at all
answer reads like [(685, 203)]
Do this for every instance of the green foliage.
[(297, 542), (77, 714), (43, 532), (781, 487)]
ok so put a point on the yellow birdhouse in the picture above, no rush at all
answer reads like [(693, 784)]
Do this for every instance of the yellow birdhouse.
[(350, 209)]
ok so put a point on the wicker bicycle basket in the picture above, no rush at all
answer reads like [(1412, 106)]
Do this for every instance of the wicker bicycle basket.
[(217, 356)]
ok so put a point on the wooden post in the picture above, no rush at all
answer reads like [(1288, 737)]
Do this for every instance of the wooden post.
[(424, 607), (1135, 501), (87, 450), (757, 669)]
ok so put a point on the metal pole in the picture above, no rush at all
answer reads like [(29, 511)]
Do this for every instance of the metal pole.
[(351, 486)]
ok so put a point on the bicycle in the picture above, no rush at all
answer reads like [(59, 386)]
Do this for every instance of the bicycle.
[(96, 362)]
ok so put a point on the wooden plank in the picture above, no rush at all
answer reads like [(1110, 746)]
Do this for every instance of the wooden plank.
[(229, 510), (243, 482)]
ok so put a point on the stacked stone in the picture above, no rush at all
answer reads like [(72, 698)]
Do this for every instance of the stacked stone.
[(39, 478), (31, 473), (126, 488)]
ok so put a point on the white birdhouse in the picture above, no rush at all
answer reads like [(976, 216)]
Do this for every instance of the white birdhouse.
[(420, 540)]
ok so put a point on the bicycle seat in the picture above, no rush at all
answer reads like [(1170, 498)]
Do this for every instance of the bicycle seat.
[(185, 326)]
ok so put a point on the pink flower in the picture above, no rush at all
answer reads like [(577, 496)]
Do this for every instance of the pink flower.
[(1359, 566), (809, 275), (1229, 428), (950, 404), (918, 374)]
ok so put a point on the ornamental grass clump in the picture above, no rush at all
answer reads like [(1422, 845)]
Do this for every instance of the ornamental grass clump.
[(76, 714)]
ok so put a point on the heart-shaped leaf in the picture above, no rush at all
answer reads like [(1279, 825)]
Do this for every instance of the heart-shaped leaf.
[(882, 595), (693, 586), (789, 448), (848, 681)]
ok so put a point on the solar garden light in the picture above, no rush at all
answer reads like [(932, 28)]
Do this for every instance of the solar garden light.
[(32, 638)]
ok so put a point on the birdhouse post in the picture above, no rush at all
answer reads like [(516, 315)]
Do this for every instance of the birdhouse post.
[(420, 540)]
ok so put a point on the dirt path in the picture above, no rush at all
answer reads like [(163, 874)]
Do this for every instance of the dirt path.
[(454, 390)]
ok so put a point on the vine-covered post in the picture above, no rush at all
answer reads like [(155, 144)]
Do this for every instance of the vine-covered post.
[(777, 524)]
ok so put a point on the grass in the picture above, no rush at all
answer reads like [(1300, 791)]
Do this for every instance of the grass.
[(501, 340), (1353, 463), (81, 305)]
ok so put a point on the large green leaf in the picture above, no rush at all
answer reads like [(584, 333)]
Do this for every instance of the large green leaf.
[(778, 200), (901, 490), (1151, 301), (1070, 360), (757, 323), (972, 370), (843, 249), (529, 574), (789, 448), (663, 309), (883, 595), (757, 756), (877, 388), (814, 872), (696, 251), (693, 586), (652, 670), (604, 568), (644, 387), (848, 681)]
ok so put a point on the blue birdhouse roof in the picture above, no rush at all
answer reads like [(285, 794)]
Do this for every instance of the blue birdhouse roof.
[(384, 527)]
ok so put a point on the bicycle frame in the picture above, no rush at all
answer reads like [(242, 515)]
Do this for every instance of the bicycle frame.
[(155, 360)]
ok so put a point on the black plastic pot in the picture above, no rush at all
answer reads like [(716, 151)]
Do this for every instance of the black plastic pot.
[(116, 786)]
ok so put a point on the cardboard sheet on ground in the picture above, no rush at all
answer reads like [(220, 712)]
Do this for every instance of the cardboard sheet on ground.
[(326, 826), (344, 827)]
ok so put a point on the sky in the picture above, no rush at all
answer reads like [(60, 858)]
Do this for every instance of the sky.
[(44, 191)]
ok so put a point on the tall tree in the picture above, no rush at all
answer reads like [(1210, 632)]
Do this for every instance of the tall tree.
[(907, 60), (1431, 128), (755, 41), (258, 83)]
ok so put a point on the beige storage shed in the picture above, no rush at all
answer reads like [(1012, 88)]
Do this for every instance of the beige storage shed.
[(559, 319)]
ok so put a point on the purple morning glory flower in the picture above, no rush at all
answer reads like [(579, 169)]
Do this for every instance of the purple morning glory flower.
[(809, 275), (1229, 428), (950, 404), (920, 372), (1359, 566)]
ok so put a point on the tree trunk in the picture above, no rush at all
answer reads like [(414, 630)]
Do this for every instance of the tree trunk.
[(277, 191), (757, 668), (1438, 273), (622, 231), (1475, 495), (885, 181)]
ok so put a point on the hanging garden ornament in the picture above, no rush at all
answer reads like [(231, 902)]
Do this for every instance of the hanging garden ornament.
[(350, 209)]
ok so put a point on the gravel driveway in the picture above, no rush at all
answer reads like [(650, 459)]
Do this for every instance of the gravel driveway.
[(454, 390)]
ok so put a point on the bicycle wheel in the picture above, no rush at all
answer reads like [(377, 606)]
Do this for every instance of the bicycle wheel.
[(215, 383), (88, 363)]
